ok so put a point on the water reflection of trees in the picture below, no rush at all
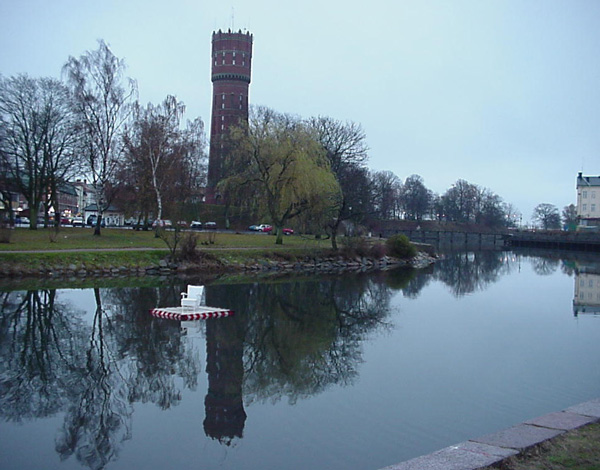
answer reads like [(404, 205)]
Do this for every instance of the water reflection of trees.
[(288, 339), (99, 414), (40, 354), (463, 272), (157, 351), (468, 272), (306, 335), (53, 362)]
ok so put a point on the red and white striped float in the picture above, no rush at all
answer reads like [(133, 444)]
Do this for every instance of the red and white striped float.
[(185, 314)]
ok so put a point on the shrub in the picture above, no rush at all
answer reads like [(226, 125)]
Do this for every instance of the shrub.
[(187, 250), (5, 234), (354, 246), (378, 251), (399, 246)]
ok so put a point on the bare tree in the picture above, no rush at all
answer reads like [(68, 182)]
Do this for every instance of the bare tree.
[(162, 159), (415, 198), (103, 103), (460, 202), (386, 194), (37, 138), (152, 141), (546, 216), (61, 145), (514, 217), (346, 150)]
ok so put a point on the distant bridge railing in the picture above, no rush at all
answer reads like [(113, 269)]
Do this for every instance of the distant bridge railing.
[(454, 238), (549, 239), (585, 241)]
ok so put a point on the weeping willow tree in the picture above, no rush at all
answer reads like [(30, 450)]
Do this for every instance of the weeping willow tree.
[(276, 165)]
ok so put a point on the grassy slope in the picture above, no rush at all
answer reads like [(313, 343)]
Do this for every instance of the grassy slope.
[(69, 238), (133, 248)]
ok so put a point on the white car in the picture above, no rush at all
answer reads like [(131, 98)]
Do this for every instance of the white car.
[(196, 225)]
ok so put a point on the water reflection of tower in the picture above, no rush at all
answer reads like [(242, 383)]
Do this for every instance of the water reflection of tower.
[(224, 406), (231, 66)]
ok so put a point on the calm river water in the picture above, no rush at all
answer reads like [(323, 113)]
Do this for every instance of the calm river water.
[(352, 372)]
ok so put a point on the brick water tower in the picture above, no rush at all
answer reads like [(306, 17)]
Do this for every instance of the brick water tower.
[(231, 63)]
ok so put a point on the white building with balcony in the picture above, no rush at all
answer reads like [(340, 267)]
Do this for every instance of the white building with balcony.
[(588, 201)]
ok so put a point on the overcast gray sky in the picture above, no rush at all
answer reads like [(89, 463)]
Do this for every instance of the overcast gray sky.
[(502, 93)]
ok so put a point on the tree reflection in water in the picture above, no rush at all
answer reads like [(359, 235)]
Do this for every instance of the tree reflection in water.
[(290, 338), (463, 272), (40, 354), (99, 416)]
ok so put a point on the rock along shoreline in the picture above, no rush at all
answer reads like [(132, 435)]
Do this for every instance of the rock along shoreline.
[(214, 265)]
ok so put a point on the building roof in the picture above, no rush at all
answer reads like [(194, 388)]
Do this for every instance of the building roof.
[(588, 180), (94, 208)]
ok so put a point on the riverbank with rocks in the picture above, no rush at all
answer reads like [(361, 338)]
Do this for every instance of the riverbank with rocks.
[(212, 262)]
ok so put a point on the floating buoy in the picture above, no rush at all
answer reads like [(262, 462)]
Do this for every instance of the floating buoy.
[(198, 313)]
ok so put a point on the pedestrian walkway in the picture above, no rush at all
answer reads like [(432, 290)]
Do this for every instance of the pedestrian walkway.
[(493, 448)]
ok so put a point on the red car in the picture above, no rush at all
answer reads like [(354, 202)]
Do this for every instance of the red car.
[(288, 231)]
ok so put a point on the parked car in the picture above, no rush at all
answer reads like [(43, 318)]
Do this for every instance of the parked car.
[(263, 228), (196, 225), (164, 223), (253, 228), (182, 223), (22, 220), (78, 222), (210, 225), (91, 221), (288, 231)]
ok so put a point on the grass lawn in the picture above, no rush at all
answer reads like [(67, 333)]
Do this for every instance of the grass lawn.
[(69, 238), (575, 450), (30, 250)]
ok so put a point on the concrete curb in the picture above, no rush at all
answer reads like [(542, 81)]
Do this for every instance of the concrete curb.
[(494, 448)]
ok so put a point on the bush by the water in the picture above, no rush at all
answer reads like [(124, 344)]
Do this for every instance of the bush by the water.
[(399, 246), (354, 246)]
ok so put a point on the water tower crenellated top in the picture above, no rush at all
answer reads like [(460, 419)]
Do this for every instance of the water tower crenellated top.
[(231, 55)]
